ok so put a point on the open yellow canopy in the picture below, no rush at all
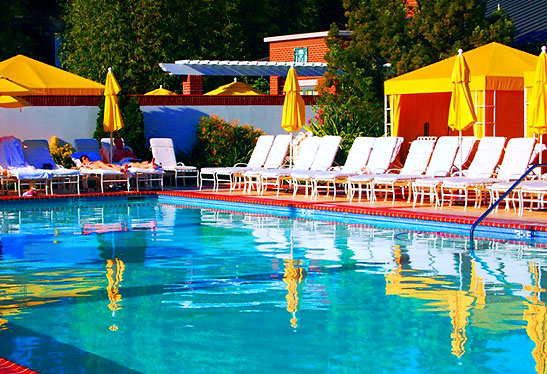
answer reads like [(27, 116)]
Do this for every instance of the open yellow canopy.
[(44, 79), (494, 66), (12, 102), (160, 92), (235, 88)]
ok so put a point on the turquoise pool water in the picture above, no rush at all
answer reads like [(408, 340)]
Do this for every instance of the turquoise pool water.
[(149, 287)]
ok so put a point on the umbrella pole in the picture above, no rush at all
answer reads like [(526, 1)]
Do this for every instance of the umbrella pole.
[(461, 154), (290, 151), (110, 161)]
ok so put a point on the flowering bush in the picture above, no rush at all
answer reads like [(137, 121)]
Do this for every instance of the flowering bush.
[(223, 143), (60, 153), (296, 144)]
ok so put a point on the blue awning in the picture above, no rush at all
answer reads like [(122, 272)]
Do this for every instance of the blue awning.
[(242, 68)]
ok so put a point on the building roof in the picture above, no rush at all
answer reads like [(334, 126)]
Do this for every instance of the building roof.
[(528, 16), (242, 68), (308, 35)]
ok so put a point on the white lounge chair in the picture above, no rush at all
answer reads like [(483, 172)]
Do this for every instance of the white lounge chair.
[(480, 170), (37, 154), (163, 151), (18, 170), (357, 159), (515, 162), (232, 175), (90, 148), (275, 159), (275, 177), (323, 161), (415, 166), (449, 152), (384, 152)]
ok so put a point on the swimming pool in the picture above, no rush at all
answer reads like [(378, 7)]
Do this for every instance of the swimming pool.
[(150, 286)]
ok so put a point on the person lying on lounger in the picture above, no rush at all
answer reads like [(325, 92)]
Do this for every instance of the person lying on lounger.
[(88, 164), (124, 156)]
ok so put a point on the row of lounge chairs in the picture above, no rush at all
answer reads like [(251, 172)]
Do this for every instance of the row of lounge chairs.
[(433, 169), (29, 163)]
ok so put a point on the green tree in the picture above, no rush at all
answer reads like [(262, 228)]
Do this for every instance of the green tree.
[(386, 42)]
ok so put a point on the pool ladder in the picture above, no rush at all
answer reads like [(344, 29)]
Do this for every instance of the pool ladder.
[(497, 202)]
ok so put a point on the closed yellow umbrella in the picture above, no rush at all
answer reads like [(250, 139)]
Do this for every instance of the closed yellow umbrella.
[(294, 109), (538, 102), (161, 92), (462, 111), (294, 114), (112, 120)]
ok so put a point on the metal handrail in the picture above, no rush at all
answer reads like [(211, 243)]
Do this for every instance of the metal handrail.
[(493, 206)]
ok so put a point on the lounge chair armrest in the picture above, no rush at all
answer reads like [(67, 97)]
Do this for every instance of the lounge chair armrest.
[(240, 164), (393, 171), (180, 164)]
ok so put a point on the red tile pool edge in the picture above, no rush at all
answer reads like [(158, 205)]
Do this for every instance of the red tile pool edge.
[(8, 367), (333, 207)]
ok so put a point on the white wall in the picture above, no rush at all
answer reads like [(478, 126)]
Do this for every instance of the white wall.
[(176, 122), (42, 122)]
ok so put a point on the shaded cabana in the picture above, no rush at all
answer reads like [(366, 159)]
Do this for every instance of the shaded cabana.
[(417, 103)]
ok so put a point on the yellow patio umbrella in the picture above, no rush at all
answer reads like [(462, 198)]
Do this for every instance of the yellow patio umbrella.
[(10, 88), (235, 88), (161, 92), (538, 119), (294, 108), (112, 120), (461, 112), (12, 102)]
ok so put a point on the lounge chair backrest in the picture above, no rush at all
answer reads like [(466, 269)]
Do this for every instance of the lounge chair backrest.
[(359, 153), (87, 145), (261, 150), (487, 157), (306, 153), (163, 152), (11, 153), (277, 153), (464, 150), (383, 153), (326, 152), (37, 154), (516, 158), (35, 143), (418, 156), (443, 156)]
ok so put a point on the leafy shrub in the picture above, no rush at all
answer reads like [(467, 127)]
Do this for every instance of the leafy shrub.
[(223, 143), (61, 152)]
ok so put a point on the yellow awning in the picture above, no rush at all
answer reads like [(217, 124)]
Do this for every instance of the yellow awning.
[(12, 102), (45, 79), (493, 67), (235, 88)]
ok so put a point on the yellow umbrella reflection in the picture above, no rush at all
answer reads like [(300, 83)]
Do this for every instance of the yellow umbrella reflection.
[(461, 113), (294, 108), (112, 120), (294, 273), (112, 288), (536, 316), (160, 92)]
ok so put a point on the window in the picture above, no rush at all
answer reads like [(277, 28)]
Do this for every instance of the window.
[(301, 55)]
